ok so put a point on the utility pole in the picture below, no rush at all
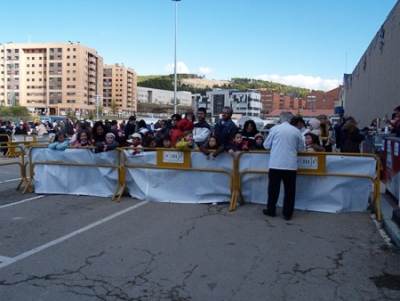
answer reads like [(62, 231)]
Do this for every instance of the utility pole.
[(97, 99)]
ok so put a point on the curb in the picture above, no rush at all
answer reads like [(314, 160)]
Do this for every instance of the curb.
[(390, 226)]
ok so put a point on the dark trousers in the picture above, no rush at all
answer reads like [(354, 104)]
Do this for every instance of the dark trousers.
[(289, 182)]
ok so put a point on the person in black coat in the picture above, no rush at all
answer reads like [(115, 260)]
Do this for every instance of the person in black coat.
[(130, 127)]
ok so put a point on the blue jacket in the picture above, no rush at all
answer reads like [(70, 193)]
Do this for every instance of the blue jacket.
[(59, 146), (225, 132)]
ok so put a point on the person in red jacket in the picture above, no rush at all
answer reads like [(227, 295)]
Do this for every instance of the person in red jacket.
[(175, 133), (186, 123), (181, 125)]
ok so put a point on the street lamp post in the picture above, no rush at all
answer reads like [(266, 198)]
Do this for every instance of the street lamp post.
[(176, 28)]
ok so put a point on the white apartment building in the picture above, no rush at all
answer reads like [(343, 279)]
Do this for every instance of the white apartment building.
[(246, 103), (157, 96)]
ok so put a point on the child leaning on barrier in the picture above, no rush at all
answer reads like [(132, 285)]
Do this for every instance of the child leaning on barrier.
[(109, 144), (212, 144), (313, 143), (135, 139), (149, 142), (60, 141), (258, 143), (237, 144), (82, 139), (167, 141), (187, 142)]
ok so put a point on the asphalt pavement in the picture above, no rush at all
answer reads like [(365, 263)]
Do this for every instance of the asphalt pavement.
[(63, 247)]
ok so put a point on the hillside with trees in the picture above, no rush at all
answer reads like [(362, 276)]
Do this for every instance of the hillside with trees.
[(198, 84)]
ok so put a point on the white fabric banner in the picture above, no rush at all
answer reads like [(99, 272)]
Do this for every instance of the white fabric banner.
[(179, 186), (316, 193), (75, 180)]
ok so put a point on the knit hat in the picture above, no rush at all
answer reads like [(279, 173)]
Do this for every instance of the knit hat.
[(110, 134), (258, 135), (315, 123)]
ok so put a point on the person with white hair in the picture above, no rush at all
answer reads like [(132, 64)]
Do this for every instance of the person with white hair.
[(284, 141)]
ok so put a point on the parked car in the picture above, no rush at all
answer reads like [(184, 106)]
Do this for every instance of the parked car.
[(53, 119)]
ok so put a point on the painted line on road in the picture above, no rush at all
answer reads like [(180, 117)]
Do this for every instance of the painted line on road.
[(23, 201), (12, 260), (385, 236), (12, 180), (4, 258)]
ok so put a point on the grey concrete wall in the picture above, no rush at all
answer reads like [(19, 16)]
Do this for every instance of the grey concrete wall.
[(373, 89)]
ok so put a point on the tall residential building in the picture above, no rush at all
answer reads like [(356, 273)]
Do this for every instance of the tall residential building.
[(119, 90), (50, 78)]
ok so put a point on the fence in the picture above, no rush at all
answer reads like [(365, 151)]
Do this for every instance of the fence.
[(327, 182)]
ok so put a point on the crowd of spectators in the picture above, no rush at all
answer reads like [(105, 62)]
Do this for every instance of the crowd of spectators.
[(192, 131)]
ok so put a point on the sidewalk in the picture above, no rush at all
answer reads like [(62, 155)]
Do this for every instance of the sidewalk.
[(388, 204)]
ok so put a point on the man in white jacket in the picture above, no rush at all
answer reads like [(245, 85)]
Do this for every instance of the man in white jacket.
[(201, 130), (284, 141)]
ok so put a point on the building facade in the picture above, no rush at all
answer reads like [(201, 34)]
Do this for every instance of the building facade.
[(157, 96), (119, 90), (372, 89), (245, 103), (50, 78)]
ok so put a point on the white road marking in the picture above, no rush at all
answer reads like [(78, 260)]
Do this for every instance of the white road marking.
[(23, 201), (4, 258), (12, 260), (12, 180), (385, 236)]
